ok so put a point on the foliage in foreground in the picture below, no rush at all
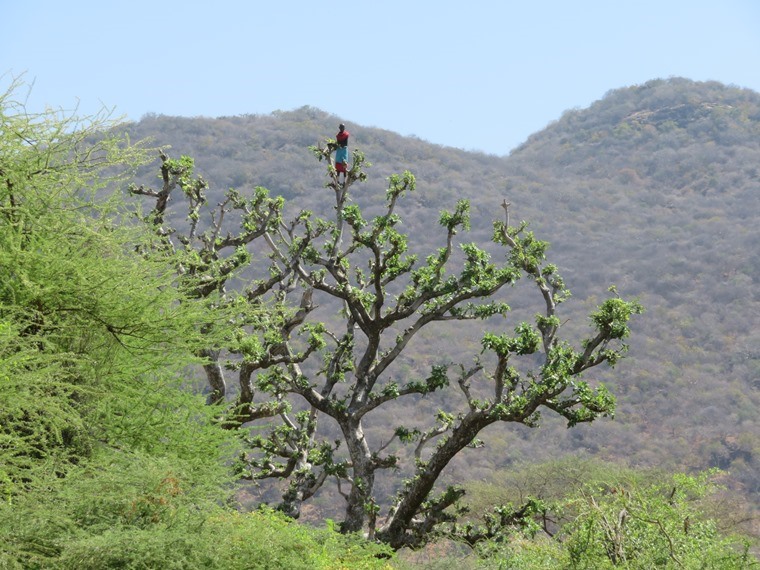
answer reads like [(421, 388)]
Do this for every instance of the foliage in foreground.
[(105, 461), (144, 521), (596, 516), (623, 518)]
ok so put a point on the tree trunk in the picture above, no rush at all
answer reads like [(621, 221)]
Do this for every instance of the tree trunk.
[(214, 375), (395, 530), (363, 470)]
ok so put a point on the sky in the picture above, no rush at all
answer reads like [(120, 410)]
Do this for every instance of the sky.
[(480, 75)]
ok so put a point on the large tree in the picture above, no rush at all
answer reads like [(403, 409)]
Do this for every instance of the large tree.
[(315, 385)]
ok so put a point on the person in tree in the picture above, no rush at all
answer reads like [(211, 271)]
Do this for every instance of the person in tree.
[(341, 154)]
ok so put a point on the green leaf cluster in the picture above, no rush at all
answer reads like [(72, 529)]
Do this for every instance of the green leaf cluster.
[(589, 515)]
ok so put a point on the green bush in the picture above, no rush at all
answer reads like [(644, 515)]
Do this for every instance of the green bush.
[(631, 525)]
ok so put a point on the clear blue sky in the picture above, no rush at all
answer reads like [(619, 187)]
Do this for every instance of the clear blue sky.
[(479, 75)]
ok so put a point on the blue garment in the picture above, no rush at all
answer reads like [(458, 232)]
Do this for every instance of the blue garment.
[(341, 154)]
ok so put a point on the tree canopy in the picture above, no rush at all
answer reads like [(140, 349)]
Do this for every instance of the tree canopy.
[(297, 370)]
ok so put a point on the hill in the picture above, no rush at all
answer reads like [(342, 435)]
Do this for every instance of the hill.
[(653, 188)]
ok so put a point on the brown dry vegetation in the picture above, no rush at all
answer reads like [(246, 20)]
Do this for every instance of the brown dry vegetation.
[(654, 188)]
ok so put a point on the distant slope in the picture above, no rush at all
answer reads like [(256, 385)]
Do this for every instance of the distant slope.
[(655, 188)]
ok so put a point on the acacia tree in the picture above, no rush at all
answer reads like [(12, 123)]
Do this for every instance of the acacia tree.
[(65, 304), (295, 371)]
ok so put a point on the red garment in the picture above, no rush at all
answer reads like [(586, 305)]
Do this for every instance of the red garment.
[(342, 138)]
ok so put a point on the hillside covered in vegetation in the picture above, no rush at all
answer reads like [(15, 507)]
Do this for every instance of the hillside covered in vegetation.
[(653, 188)]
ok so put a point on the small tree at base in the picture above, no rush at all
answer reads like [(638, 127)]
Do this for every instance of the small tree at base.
[(295, 371)]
